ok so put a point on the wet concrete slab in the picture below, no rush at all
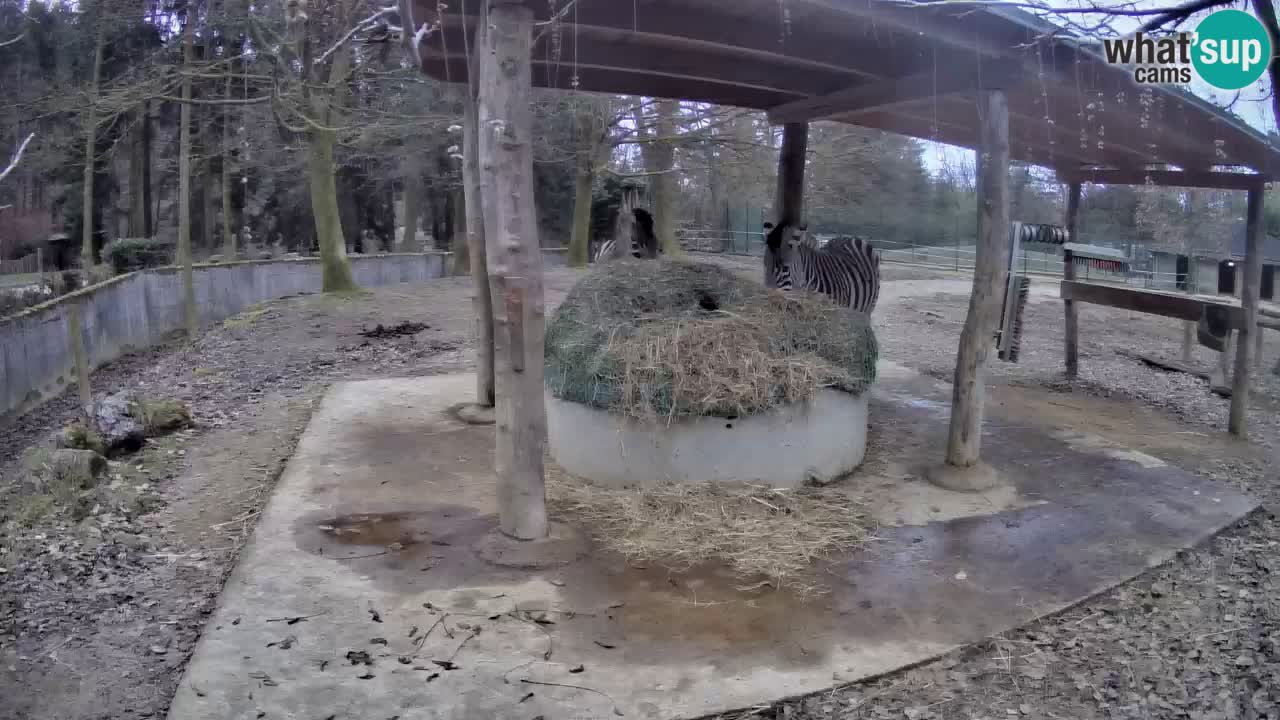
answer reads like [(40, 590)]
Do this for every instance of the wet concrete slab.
[(369, 536)]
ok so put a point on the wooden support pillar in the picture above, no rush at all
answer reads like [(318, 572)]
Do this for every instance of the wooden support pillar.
[(789, 201), (962, 470), (482, 300), (1069, 273), (514, 265), (1238, 421)]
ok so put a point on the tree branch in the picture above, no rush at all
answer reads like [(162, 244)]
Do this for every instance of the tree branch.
[(17, 157)]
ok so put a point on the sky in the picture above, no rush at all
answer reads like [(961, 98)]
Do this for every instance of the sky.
[(1252, 106)]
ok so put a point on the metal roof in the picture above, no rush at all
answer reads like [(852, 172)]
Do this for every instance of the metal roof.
[(1069, 109)]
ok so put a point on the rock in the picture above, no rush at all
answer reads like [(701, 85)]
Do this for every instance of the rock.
[(130, 540), (112, 419), (78, 468), (159, 417)]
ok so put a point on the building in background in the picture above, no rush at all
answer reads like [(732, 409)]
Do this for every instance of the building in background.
[(1215, 273)]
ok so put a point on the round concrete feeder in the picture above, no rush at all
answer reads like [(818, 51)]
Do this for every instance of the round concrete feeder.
[(819, 440)]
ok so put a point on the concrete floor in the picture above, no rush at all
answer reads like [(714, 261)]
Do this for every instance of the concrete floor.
[(369, 535)]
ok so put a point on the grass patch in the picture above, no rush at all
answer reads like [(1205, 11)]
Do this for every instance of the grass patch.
[(79, 436)]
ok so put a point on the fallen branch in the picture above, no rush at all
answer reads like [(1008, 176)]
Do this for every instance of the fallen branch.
[(1166, 365), (616, 711)]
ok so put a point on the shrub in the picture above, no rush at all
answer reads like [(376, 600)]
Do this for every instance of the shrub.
[(129, 254), (13, 301)]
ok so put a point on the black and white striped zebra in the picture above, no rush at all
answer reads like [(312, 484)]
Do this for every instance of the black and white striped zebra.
[(644, 242), (847, 269)]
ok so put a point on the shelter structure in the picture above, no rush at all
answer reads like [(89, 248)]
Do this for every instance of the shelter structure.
[(994, 79)]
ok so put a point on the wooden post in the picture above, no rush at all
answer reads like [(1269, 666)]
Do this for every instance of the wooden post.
[(514, 265), (1069, 273), (1250, 287), (789, 201), (75, 336), (481, 300), (964, 440)]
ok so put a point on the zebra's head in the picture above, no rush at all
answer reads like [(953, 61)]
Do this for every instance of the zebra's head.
[(782, 242)]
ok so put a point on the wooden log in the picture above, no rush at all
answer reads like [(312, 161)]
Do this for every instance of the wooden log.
[(964, 439), (1069, 273), (789, 202), (1169, 178), (514, 266), (481, 300), (1182, 307), (1166, 365), (1238, 420)]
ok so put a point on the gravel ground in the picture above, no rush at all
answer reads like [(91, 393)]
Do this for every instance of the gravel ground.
[(1198, 638), (98, 617)]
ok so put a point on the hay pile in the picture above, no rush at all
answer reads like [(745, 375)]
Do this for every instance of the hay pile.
[(756, 531), (669, 338)]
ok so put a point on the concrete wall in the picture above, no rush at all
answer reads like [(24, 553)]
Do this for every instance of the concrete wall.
[(819, 440), (138, 310)]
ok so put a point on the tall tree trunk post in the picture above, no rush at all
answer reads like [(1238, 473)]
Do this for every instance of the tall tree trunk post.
[(184, 182), (665, 191), (228, 218), (1071, 329), (481, 299), (139, 174), (87, 254), (515, 267), (789, 200), (75, 337), (148, 216), (458, 240), (335, 267), (1238, 421), (412, 204), (963, 469), (584, 178)]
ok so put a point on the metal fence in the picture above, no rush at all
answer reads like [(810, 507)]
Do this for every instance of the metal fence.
[(1138, 273), (23, 265)]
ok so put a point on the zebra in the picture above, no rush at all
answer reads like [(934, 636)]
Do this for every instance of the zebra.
[(847, 269), (644, 242)]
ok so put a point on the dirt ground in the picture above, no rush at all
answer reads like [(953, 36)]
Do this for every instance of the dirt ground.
[(98, 617)]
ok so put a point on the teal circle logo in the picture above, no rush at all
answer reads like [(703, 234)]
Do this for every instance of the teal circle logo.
[(1232, 49)]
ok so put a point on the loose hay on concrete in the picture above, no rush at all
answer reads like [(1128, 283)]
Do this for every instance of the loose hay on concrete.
[(660, 339), (757, 531)]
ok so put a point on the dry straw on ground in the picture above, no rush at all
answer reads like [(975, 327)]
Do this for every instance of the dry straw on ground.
[(760, 533), (655, 340)]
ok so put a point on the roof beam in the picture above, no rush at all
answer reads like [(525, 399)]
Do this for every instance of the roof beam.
[(616, 81), (626, 52), (916, 20), (1214, 180), (912, 88)]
